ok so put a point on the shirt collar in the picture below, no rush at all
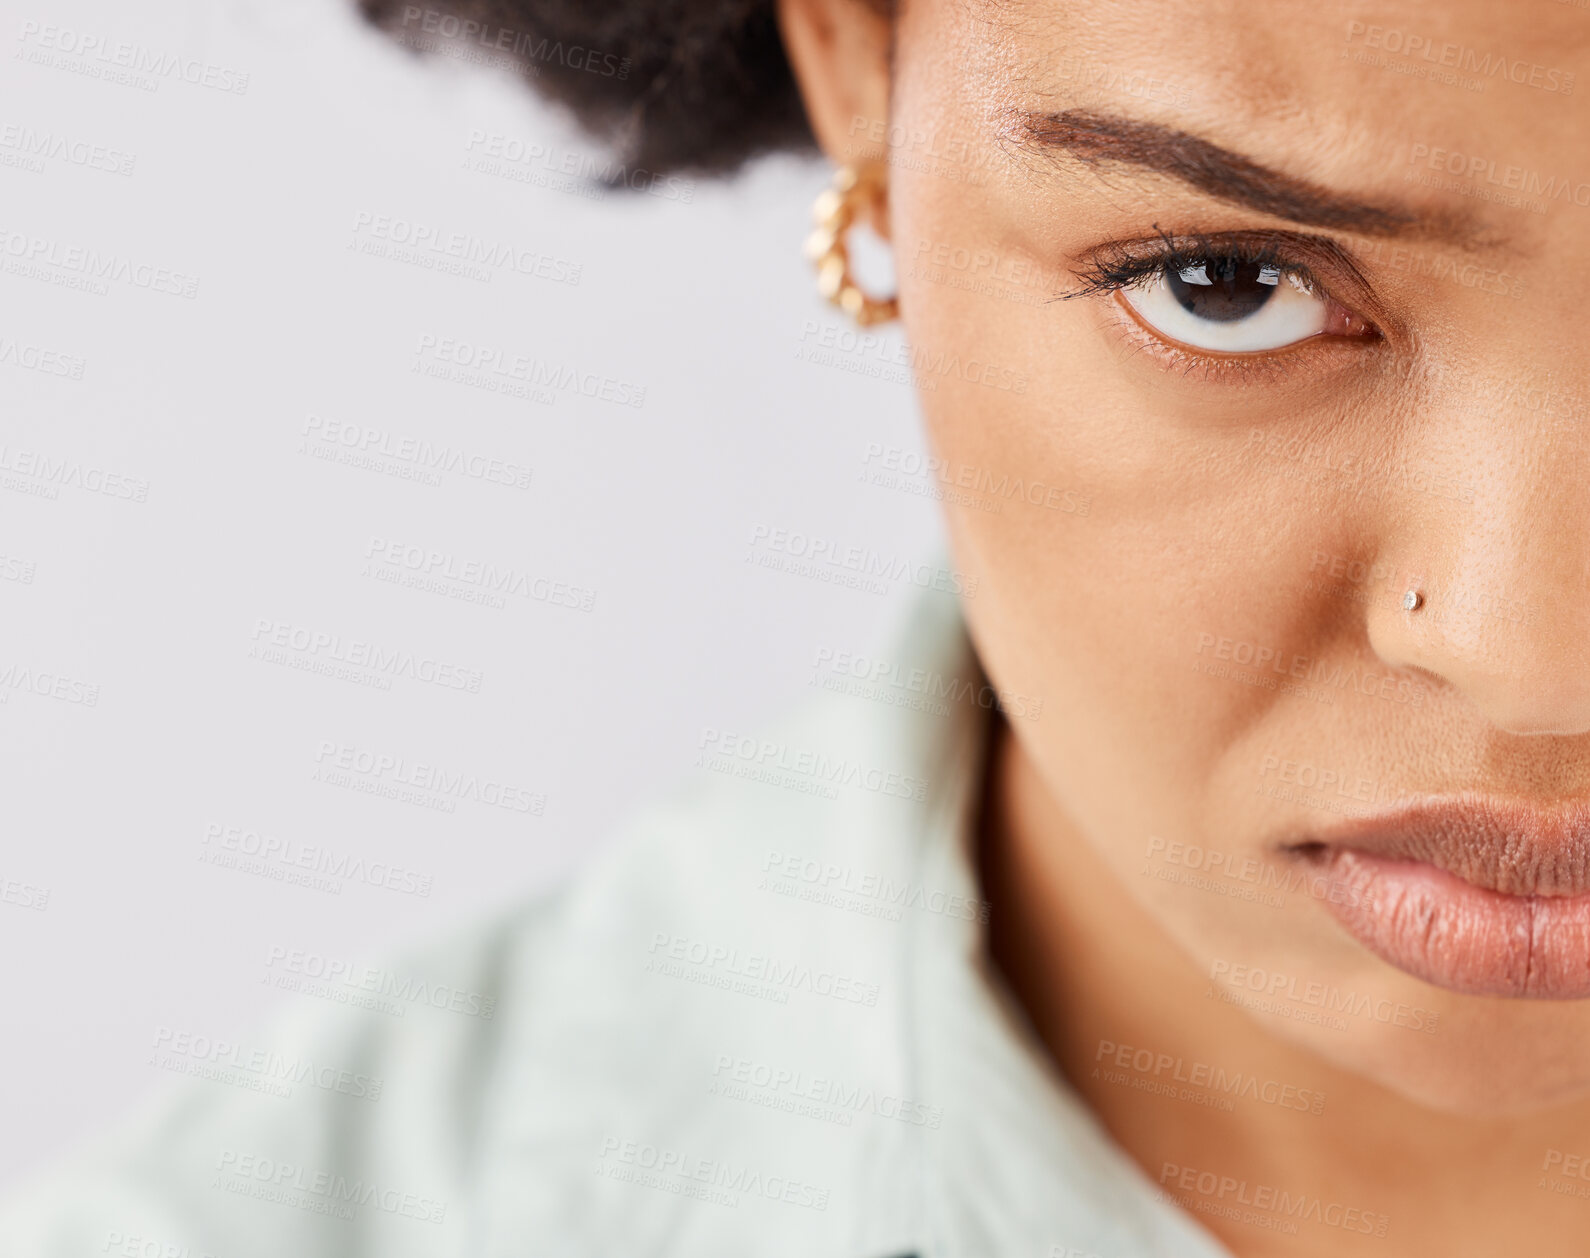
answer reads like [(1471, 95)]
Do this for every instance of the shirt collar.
[(1019, 1166), (811, 918)]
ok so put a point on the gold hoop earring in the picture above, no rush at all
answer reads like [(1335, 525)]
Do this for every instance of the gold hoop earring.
[(855, 189)]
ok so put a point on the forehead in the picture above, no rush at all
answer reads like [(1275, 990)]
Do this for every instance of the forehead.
[(1313, 86)]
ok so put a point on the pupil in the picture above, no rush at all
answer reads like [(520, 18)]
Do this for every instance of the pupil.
[(1233, 292)]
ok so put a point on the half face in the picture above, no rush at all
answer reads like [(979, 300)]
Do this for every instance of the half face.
[(1244, 323)]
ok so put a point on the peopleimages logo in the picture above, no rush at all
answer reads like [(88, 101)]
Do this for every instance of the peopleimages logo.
[(1476, 169), (315, 645), (826, 553), (51, 685), (36, 358), (463, 248), (99, 57), (36, 147), (929, 685), (521, 44), (1575, 1165), (718, 1180), (676, 955), (285, 1180), (869, 353), (423, 561), (486, 363), (1461, 57), (128, 1245), (399, 771), (1191, 864), (53, 474), (796, 1091), (44, 256), (497, 153), (1349, 676), (976, 480), (335, 972), (24, 894), (416, 455), (1158, 1070), (314, 860), (724, 751), (867, 885), (260, 1069), (1226, 1195), (1319, 995), (19, 570)]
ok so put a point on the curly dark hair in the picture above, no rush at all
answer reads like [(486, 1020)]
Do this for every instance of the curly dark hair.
[(671, 85)]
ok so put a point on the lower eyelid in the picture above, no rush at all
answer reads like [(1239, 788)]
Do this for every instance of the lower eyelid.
[(1253, 367)]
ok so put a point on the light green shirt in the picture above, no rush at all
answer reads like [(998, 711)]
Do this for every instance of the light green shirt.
[(761, 1024)]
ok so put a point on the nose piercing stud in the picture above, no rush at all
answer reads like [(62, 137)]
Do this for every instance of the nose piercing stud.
[(1412, 601)]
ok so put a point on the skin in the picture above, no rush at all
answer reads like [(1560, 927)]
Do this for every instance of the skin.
[(1462, 423)]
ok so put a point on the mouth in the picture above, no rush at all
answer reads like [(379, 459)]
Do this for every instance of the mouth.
[(1482, 897)]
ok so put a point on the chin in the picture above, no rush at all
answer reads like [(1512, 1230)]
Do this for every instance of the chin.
[(1490, 1058), (1486, 1093)]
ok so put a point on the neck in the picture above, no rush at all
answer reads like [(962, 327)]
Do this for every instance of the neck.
[(1224, 1115)]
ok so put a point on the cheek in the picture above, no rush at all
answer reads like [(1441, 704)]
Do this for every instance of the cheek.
[(1076, 511), (1136, 573), (1082, 597)]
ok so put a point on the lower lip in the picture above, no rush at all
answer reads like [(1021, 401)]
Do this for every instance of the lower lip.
[(1467, 939)]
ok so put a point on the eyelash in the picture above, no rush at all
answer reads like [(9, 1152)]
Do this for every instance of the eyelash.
[(1126, 264), (1121, 265)]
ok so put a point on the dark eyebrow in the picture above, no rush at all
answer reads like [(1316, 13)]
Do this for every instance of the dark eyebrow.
[(1225, 175)]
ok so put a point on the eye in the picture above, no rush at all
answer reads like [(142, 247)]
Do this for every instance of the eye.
[(1230, 305)]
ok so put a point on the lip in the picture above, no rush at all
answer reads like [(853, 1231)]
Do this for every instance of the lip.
[(1480, 896)]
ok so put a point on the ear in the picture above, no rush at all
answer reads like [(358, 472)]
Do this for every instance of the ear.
[(840, 51)]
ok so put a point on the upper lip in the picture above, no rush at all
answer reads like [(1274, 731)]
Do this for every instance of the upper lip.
[(1509, 846)]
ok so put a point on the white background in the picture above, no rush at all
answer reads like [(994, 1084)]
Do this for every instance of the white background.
[(152, 607)]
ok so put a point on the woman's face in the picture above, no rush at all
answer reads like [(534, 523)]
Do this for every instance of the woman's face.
[(1236, 330)]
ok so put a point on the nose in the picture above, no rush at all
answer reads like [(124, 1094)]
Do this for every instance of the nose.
[(1503, 614)]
